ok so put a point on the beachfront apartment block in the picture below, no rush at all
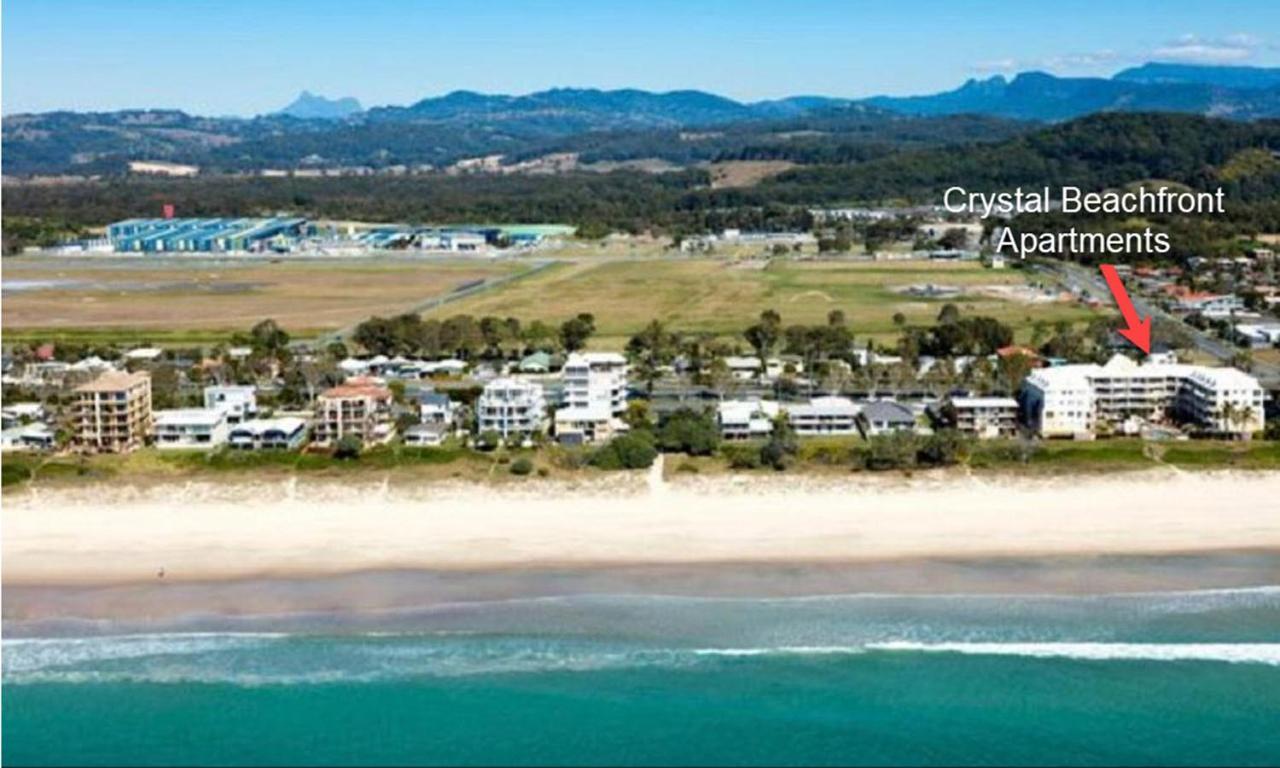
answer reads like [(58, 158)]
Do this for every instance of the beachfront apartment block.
[(511, 407), (238, 401), (985, 417), (1223, 400), (283, 433), (190, 428), (595, 395), (1079, 400), (112, 413), (360, 407)]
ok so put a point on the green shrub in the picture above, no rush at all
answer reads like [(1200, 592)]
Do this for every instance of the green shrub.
[(630, 451), (742, 456), (347, 448), (488, 440), (521, 466)]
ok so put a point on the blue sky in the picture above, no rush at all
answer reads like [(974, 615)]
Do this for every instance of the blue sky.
[(243, 57)]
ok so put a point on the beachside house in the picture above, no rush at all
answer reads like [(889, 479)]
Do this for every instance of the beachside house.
[(283, 433), (239, 402), (190, 428)]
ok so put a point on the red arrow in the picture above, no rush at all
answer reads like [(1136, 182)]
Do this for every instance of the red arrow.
[(1139, 329)]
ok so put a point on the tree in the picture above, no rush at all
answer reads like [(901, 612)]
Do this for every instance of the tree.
[(899, 319), (575, 331), (781, 448), (764, 335), (689, 431), (637, 415), (650, 350)]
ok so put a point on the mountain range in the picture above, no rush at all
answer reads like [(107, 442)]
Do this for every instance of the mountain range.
[(677, 126)]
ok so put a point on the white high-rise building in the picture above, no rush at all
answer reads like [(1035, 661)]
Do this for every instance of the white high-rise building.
[(595, 395)]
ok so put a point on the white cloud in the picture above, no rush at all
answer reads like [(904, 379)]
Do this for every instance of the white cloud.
[(995, 65), (1192, 49)]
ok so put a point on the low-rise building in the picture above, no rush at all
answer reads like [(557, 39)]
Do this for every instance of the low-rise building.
[(426, 435), (984, 417), (823, 416), (190, 428), (283, 433), (435, 408), (746, 419), (360, 407), (511, 407), (239, 402), (1223, 401), (112, 413), (28, 437), (881, 417)]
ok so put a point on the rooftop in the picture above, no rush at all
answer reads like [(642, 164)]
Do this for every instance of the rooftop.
[(115, 381)]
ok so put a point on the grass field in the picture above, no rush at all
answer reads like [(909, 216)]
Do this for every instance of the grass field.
[(192, 300), (723, 297)]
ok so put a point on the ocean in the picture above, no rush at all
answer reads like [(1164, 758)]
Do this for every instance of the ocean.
[(1172, 678)]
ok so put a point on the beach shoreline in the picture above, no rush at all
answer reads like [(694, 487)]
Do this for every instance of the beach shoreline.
[(200, 532)]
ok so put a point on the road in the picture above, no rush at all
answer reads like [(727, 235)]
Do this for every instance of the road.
[(1090, 280)]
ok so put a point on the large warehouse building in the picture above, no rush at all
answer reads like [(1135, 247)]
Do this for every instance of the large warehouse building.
[(168, 235)]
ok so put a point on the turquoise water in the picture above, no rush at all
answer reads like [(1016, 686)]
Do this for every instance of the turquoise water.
[(1170, 678)]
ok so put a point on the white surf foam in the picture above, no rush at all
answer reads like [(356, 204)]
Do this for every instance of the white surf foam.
[(1235, 653)]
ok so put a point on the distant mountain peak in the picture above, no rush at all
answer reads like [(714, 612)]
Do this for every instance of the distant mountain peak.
[(310, 106)]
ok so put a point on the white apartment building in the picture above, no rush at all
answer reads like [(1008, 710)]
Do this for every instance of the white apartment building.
[(824, 416), (595, 395), (1075, 400), (240, 402), (190, 428), (511, 407), (1223, 400)]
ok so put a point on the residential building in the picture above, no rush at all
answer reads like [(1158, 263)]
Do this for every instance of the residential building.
[(426, 435), (360, 407), (112, 413), (824, 416), (283, 433), (435, 408), (1223, 401), (1209, 304), (985, 417), (1122, 396), (28, 437), (239, 402), (511, 407), (881, 417), (190, 428), (595, 395), (15, 414), (746, 419)]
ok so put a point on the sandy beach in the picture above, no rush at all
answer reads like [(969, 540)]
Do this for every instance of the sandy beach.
[(201, 532)]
